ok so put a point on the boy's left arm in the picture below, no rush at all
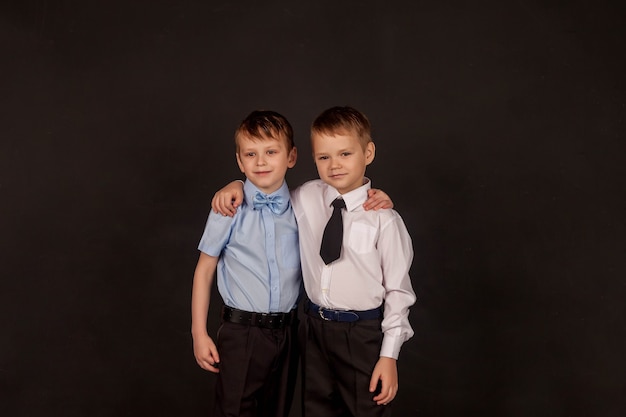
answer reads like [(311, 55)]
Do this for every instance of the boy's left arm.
[(386, 372), (377, 199), (396, 255)]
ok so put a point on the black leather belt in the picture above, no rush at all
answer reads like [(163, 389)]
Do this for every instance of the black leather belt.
[(343, 315), (266, 320)]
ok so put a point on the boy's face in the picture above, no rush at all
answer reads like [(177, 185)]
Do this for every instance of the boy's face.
[(265, 161), (341, 160)]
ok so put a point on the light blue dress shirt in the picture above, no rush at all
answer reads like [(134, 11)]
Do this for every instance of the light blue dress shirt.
[(259, 265)]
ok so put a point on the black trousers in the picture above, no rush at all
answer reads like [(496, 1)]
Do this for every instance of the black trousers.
[(338, 360), (258, 371)]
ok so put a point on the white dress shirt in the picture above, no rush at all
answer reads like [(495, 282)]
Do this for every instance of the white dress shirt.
[(375, 259)]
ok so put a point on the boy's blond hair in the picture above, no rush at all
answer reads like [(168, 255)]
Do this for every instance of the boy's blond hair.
[(343, 120)]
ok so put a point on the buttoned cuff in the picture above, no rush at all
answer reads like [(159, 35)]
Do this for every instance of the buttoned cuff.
[(391, 346)]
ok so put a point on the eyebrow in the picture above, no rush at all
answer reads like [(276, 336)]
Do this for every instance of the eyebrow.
[(351, 149)]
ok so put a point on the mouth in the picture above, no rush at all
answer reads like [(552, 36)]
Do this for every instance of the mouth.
[(262, 172), (336, 176)]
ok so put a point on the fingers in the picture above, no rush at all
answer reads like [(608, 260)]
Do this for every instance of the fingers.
[(216, 204), (226, 200), (228, 208), (223, 205), (385, 376), (214, 354), (371, 200), (208, 358), (209, 361), (376, 204), (377, 199), (208, 365), (379, 204), (226, 205), (387, 394)]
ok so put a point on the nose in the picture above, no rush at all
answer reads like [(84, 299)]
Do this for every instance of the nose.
[(335, 163), (260, 160)]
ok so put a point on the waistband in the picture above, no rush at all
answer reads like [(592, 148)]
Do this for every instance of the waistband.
[(342, 315), (266, 320)]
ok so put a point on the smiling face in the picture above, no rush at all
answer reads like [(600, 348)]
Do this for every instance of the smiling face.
[(341, 159), (264, 161)]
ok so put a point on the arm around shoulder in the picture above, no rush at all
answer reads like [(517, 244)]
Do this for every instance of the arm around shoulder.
[(226, 200)]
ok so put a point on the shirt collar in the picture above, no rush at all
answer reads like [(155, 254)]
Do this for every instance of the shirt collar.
[(354, 199)]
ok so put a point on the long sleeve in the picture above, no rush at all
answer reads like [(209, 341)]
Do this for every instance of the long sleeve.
[(396, 255)]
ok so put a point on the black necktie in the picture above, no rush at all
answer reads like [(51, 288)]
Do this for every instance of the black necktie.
[(333, 234)]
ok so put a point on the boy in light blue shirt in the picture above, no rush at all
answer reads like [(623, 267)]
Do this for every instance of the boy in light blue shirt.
[(257, 260)]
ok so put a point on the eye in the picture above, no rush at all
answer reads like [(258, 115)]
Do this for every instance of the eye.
[(322, 158), (249, 154), (272, 152), (346, 153)]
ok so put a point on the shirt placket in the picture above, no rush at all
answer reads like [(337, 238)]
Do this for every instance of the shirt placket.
[(270, 252), (325, 284)]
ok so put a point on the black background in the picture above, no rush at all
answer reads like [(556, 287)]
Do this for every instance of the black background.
[(500, 137)]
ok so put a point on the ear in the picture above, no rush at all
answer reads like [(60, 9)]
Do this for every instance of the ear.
[(292, 158), (370, 152), (239, 162)]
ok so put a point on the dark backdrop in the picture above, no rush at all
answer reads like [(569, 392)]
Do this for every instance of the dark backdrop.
[(500, 133)]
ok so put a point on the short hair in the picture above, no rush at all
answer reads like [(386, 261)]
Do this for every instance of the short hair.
[(343, 120), (265, 124)]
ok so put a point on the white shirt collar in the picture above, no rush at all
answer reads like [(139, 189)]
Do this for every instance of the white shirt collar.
[(353, 199)]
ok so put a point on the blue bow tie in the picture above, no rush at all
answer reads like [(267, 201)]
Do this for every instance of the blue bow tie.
[(276, 203)]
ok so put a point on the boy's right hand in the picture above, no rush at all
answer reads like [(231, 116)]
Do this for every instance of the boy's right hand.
[(226, 200), (205, 351)]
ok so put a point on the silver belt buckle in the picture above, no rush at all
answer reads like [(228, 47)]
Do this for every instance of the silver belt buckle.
[(321, 313)]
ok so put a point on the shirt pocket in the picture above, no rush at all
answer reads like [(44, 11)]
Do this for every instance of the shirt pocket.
[(290, 250), (362, 238)]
